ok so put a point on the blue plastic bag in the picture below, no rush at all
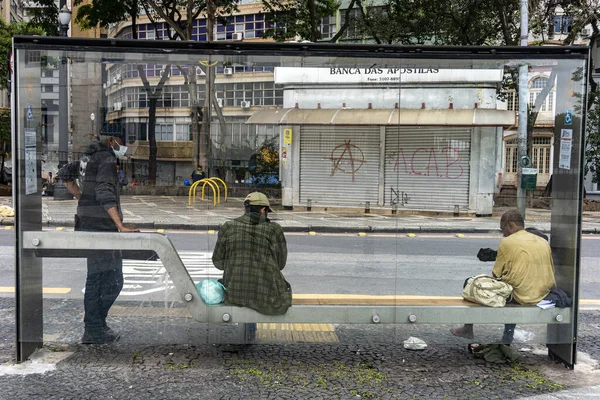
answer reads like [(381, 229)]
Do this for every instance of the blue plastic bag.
[(211, 291)]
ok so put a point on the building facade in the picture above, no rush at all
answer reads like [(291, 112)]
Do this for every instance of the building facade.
[(244, 91)]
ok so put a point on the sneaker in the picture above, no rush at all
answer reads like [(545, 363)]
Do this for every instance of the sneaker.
[(104, 337), (92, 337), (110, 335)]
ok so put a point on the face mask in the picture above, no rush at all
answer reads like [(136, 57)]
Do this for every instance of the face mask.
[(121, 152)]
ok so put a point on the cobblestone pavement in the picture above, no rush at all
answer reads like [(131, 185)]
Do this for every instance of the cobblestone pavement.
[(171, 358)]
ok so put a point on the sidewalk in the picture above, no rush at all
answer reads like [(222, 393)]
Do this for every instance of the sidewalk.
[(173, 212), (164, 355)]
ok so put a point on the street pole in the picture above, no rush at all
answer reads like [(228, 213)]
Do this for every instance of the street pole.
[(60, 191), (523, 100)]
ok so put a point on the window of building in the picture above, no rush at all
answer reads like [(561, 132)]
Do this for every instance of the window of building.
[(353, 31), (327, 28), (182, 132), (562, 24), (511, 101), (541, 154), (256, 93), (535, 89), (510, 161), (250, 26), (164, 132)]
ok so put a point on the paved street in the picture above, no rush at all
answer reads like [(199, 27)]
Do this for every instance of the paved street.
[(174, 212), (164, 354)]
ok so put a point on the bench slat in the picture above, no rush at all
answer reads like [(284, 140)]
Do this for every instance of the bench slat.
[(391, 300)]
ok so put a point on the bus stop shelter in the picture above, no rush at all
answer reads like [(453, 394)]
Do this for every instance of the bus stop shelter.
[(374, 157)]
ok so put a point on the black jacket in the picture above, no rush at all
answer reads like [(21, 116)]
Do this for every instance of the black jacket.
[(97, 174)]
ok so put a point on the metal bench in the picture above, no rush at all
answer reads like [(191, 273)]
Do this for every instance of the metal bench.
[(306, 308)]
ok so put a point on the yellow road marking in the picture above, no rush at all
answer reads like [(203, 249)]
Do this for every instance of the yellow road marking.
[(362, 234), (211, 232), (160, 230), (411, 235), (9, 227), (312, 233), (460, 235), (60, 228), (590, 302), (56, 290)]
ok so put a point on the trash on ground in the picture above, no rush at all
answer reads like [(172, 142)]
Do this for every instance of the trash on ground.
[(6, 211), (413, 343)]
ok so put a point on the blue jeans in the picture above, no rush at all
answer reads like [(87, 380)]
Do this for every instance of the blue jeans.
[(102, 287)]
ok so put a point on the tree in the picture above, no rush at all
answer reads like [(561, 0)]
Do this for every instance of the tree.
[(297, 19), (104, 13), (264, 164), (7, 31), (453, 22), (45, 16), (179, 16)]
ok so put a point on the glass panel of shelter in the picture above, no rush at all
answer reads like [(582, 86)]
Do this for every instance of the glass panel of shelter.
[(357, 156)]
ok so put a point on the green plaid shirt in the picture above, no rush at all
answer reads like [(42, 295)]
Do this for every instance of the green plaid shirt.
[(251, 252)]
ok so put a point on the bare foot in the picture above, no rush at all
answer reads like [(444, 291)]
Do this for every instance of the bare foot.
[(462, 332)]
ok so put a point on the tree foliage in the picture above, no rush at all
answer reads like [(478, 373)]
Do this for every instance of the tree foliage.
[(7, 31), (45, 17), (299, 19), (103, 13)]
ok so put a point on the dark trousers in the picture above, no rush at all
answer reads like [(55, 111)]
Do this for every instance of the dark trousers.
[(509, 329), (102, 287), (104, 278)]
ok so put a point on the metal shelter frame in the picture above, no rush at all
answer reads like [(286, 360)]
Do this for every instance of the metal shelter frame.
[(32, 244)]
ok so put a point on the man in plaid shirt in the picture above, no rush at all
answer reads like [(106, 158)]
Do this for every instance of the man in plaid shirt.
[(251, 251)]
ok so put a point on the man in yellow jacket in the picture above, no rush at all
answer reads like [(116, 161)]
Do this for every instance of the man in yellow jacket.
[(524, 261)]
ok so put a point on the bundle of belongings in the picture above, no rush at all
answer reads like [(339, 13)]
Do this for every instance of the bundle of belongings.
[(494, 353), (556, 298)]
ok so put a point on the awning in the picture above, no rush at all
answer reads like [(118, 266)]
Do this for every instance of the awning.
[(345, 116)]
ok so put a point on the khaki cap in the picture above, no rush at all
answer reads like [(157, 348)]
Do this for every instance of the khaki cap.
[(258, 199)]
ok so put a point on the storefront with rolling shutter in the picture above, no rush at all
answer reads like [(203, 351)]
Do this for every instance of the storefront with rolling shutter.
[(427, 167), (339, 166)]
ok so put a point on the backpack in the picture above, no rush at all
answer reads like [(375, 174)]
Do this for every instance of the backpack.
[(487, 290)]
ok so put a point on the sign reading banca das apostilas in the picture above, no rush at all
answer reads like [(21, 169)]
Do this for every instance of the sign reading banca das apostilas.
[(285, 75)]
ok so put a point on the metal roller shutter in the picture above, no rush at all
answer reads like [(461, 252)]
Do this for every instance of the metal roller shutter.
[(427, 167), (339, 165)]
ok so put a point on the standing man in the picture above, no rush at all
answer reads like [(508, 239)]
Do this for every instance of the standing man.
[(198, 174), (251, 251), (99, 210), (524, 261)]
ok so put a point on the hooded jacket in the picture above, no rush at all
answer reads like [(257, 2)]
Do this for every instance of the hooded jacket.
[(251, 252), (97, 175)]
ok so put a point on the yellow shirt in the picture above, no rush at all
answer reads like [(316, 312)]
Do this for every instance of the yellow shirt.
[(524, 261)]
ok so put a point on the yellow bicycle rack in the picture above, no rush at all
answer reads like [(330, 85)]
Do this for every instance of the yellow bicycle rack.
[(212, 182), (224, 186)]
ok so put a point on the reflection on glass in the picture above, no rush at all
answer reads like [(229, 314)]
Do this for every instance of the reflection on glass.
[(385, 159)]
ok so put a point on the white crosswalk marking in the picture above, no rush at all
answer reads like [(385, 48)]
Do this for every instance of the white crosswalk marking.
[(143, 277)]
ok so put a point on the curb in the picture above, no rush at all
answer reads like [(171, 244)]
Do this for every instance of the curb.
[(9, 221)]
